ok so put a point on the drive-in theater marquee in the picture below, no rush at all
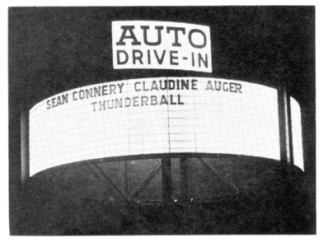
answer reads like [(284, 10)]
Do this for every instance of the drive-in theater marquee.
[(160, 114), (154, 115)]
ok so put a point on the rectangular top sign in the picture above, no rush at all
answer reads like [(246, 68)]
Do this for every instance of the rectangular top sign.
[(161, 45)]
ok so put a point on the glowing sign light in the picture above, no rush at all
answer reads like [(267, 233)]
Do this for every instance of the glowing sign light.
[(154, 115), (297, 133)]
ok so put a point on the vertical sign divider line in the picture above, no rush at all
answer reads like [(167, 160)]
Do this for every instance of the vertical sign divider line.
[(142, 130), (168, 119), (195, 123), (128, 119)]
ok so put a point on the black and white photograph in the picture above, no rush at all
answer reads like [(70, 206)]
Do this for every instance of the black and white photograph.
[(162, 120)]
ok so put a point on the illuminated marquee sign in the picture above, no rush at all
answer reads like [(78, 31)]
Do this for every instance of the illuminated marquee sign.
[(161, 45), (154, 115)]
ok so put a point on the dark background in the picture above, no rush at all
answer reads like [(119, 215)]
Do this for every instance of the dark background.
[(56, 49)]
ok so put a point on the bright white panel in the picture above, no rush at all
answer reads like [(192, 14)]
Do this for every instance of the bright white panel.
[(131, 117), (188, 47), (297, 133)]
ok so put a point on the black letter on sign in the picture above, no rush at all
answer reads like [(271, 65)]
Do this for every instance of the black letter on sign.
[(193, 44), (176, 39), (159, 35), (119, 62), (173, 57), (130, 36), (137, 55)]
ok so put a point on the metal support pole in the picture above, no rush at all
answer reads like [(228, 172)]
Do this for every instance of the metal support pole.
[(290, 131), (184, 179), (166, 179), (24, 126), (126, 181), (283, 126)]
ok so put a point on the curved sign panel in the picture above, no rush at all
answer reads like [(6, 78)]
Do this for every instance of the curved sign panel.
[(154, 115)]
